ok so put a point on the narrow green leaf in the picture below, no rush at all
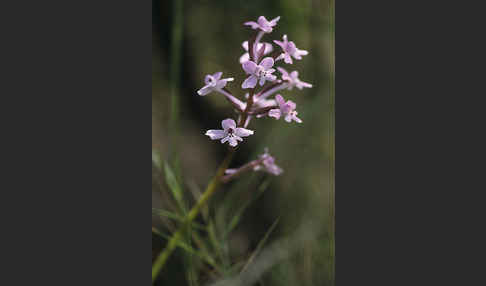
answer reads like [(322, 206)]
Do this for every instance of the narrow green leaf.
[(237, 217), (174, 186), (260, 244), (187, 248), (171, 215)]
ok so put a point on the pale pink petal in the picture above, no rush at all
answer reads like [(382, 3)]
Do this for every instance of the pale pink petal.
[(264, 24), (250, 82), (271, 77), (302, 52), (275, 113), (262, 81), (283, 72), (280, 100), (268, 48), (245, 45), (267, 63), (253, 24), (238, 138), (217, 75), (274, 21), (244, 58), (228, 123), (291, 104), (296, 119), (288, 117), (232, 141), (230, 171), (243, 132), (205, 90), (302, 84), (281, 44), (262, 19), (260, 50), (222, 83), (249, 67), (215, 134), (225, 139), (294, 74), (291, 48), (287, 59)]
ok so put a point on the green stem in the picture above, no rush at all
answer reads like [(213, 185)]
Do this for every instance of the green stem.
[(177, 236)]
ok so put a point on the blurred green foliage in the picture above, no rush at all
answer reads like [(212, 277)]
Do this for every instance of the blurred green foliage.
[(299, 249)]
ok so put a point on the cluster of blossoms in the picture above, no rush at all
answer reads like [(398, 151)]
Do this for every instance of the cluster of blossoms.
[(258, 63)]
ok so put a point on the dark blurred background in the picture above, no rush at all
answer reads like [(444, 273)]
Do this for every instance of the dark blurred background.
[(303, 196)]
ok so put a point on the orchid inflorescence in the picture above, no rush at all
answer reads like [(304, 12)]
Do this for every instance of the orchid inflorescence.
[(259, 65)]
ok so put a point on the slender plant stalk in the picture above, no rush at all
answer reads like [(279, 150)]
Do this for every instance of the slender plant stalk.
[(178, 235), (175, 70)]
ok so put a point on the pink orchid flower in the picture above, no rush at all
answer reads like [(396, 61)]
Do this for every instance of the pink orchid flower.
[(230, 133), (289, 50), (292, 79), (213, 83), (263, 24), (261, 72), (268, 164), (286, 109)]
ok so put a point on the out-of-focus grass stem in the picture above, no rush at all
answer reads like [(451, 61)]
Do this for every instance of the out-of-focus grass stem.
[(178, 235), (175, 71)]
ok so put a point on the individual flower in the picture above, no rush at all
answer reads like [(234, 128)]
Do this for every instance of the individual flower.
[(230, 133), (286, 109), (263, 24), (246, 56), (268, 164), (292, 79), (214, 83), (289, 50), (265, 163), (261, 72)]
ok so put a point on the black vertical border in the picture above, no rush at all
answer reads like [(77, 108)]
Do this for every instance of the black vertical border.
[(408, 210)]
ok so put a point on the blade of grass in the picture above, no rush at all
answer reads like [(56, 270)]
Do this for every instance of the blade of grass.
[(260, 244), (175, 187), (239, 213), (212, 187), (196, 192), (209, 260), (215, 243), (168, 214)]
